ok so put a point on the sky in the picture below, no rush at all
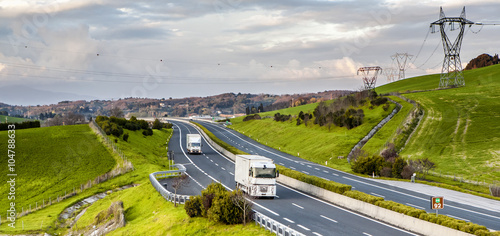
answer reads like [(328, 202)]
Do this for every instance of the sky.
[(95, 49)]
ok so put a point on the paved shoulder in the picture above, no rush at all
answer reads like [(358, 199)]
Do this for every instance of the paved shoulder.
[(451, 195)]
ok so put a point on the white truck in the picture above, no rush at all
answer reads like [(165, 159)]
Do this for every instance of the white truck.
[(256, 175), (193, 143)]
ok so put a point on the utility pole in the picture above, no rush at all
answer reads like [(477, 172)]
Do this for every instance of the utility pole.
[(369, 80), (401, 59), (451, 73)]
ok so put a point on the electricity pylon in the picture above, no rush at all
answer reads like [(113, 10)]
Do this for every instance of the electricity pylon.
[(401, 59), (451, 73), (369, 80), (390, 73)]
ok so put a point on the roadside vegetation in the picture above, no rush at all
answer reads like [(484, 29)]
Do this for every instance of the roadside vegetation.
[(145, 211)]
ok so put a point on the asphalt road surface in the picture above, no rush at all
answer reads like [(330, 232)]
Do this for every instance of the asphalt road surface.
[(478, 210), (299, 211)]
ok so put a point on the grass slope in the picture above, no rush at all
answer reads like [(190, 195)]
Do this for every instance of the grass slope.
[(314, 143), (11, 119), (52, 160), (460, 131)]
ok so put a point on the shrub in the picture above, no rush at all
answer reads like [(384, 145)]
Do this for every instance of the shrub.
[(193, 206), (252, 117), (147, 132), (407, 172), (378, 101), (368, 165), (386, 171), (125, 137)]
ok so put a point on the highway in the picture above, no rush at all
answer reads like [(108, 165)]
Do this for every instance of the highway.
[(301, 212), (459, 210)]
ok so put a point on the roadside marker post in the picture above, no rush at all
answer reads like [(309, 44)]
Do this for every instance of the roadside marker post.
[(437, 203)]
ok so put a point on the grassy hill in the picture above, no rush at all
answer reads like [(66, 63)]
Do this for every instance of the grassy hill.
[(460, 131), (52, 160), (313, 142)]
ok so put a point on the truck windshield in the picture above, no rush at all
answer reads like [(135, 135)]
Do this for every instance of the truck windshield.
[(264, 173), (195, 144)]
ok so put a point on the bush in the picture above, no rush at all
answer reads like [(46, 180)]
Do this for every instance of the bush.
[(368, 165), (147, 132), (252, 117), (386, 172), (125, 137), (193, 206), (407, 172), (378, 101), (23, 125), (280, 117)]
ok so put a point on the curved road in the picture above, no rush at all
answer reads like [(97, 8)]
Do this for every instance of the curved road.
[(487, 214), (301, 212)]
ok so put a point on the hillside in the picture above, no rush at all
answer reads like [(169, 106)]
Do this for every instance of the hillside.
[(11, 119), (311, 142), (460, 131), (52, 160)]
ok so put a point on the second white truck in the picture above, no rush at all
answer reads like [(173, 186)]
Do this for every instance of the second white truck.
[(256, 175), (193, 143)]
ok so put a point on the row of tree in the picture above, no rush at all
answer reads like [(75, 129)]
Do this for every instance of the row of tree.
[(22, 125)]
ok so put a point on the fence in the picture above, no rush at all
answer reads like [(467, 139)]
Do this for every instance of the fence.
[(169, 196), (274, 226)]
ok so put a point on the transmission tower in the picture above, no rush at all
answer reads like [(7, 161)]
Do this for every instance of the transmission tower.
[(390, 74), (401, 59), (369, 80), (451, 73)]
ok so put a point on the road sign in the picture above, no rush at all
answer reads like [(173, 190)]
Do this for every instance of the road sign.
[(437, 203)]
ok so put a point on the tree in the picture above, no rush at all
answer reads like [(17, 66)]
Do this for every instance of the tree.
[(247, 111), (157, 124), (239, 200), (125, 137), (261, 108), (116, 112), (178, 183)]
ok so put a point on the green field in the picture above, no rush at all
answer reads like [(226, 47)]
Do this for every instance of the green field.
[(11, 119), (313, 142), (460, 131), (50, 161)]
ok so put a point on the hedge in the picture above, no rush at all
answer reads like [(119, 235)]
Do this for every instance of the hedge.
[(363, 196), (316, 181)]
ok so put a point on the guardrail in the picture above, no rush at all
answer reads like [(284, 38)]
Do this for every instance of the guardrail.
[(169, 196), (274, 226)]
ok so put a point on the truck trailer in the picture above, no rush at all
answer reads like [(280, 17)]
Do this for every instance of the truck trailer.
[(256, 175), (193, 143)]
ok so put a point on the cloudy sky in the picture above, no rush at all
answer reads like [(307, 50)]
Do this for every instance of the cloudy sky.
[(109, 49)]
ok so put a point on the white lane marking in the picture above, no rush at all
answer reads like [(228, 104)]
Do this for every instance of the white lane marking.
[(378, 195), (309, 166), (297, 206), (305, 172), (367, 234), (418, 207), (301, 226), (335, 174), (348, 211), (194, 180), (293, 168), (316, 168), (423, 199), (291, 221), (332, 220), (216, 164), (231, 173), (326, 171), (223, 168), (282, 164), (458, 218), (211, 160), (409, 195), (197, 167), (317, 234)]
